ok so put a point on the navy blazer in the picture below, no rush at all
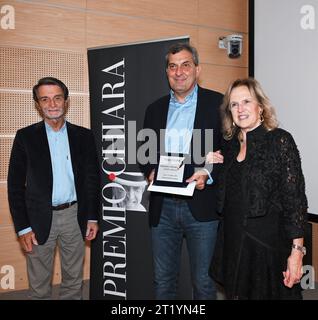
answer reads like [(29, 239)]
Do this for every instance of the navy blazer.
[(30, 178), (203, 202)]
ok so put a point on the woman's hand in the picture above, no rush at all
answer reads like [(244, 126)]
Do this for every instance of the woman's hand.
[(214, 157), (293, 273)]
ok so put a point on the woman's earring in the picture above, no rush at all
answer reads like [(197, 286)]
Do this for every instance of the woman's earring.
[(261, 117), (233, 124)]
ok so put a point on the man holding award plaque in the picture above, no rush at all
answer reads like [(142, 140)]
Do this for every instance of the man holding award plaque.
[(182, 201)]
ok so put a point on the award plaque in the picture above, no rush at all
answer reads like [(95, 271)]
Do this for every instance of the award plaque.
[(171, 174)]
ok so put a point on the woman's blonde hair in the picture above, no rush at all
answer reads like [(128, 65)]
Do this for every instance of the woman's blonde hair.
[(268, 113)]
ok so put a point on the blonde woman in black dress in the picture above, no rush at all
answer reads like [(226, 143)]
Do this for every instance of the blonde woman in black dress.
[(262, 200)]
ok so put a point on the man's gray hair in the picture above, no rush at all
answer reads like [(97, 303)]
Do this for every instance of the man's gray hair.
[(177, 47)]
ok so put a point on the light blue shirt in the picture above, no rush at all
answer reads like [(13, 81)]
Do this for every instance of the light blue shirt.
[(63, 177), (180, 123)]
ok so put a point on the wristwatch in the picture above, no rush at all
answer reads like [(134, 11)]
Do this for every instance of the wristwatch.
[(300, 248)]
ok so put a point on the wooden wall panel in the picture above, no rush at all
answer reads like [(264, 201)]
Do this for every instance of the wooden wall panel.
[(184, 11), (20, 68), (11, 254), (113, 30), (19, 109), (5, 217), (37, 25), (219, 77), (230, 15), (5, 150), (74, 4)]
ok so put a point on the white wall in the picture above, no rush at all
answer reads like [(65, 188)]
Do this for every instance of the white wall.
[(286, 64)]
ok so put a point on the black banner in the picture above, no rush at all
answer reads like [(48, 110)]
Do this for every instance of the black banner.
[(123, 81)]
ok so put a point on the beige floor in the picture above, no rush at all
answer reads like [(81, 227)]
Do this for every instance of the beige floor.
[(22, 295)]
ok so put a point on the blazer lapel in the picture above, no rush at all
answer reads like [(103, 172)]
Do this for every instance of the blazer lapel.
[(161, 121), (43, 151), (198, 114), (164, 112), (198, 123), (74, 146)]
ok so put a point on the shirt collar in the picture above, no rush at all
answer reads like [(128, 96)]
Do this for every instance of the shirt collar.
[(190, 96), (50, 129)]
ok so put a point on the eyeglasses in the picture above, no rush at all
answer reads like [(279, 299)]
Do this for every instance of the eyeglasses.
[(244, 103), (185, 66), (55, 99)]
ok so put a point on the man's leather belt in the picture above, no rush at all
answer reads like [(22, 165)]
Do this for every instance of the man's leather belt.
[(63, 206)]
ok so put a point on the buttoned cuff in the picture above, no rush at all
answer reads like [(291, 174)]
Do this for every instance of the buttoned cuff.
[(24, 231), (210, 179)]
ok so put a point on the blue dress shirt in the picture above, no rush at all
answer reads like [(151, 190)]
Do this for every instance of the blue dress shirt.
[(180, 122), (63, 177)]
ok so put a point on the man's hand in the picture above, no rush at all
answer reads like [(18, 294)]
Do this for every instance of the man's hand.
[(27, 241), (200, 177), (91, 231), (151, 176)]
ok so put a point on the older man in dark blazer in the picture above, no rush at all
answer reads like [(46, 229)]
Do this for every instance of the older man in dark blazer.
[(188, 108), (53, 184)]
